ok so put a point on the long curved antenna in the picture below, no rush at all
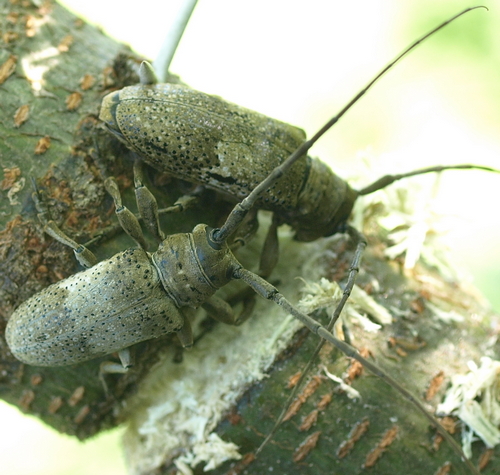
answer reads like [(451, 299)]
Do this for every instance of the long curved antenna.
[(241, 209), (269, 292), (361, 243), (387, 180)]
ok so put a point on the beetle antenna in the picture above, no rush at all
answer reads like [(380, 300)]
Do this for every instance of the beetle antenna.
[(360, 241), (269, 292), (241, 209), (389, 179)]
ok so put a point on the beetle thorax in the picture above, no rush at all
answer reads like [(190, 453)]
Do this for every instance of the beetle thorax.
[(191, 268)]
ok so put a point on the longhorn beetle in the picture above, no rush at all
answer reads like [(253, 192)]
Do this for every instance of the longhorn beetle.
[(135, 295), (206, 140)]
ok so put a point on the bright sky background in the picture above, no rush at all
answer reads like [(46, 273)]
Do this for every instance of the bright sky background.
[(301, 62)]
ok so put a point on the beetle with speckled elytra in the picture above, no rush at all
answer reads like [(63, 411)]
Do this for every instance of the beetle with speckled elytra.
[(206, 140)]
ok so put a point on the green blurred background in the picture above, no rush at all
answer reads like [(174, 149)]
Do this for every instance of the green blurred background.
[(301, 62)]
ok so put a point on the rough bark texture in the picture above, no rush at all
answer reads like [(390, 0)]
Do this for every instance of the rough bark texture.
[(428, 347), (52, 51), (61, 68), (47, 53)]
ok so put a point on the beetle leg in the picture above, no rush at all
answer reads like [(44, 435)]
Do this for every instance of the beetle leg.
[(146, 203), (125, 358), (185, 202), (270, 250), (127, 219), (110, 367), (246, 313), (268, 260), (246, 231), (220, 310), (85, 257), (185, 334)]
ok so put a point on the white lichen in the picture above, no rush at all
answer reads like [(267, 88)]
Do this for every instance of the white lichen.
[(475, 399)]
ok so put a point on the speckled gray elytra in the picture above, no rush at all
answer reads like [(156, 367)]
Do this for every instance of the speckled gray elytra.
[(104, 309), (131, 297), (111, 306), (203, 139), (206, 140)]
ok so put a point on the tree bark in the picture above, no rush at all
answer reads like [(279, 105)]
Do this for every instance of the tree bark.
[(58, 68)]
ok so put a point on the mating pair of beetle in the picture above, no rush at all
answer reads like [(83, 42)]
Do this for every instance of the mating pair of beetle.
[(251, 160)]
